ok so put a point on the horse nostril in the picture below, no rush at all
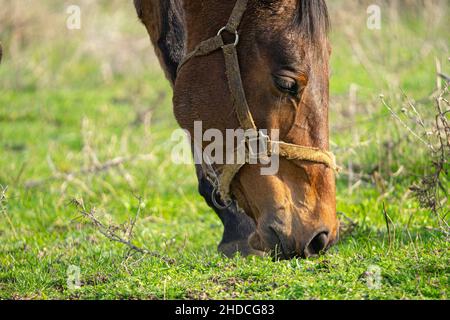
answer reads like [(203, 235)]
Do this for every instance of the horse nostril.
[(317, 244)]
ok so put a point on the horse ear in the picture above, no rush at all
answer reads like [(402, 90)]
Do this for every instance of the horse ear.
[(312, 18), (164, 20)]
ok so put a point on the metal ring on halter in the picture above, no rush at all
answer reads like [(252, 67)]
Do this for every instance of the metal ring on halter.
[(236, 34), (219, 206)]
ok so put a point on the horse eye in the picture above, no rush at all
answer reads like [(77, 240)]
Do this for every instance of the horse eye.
[(286, 84)]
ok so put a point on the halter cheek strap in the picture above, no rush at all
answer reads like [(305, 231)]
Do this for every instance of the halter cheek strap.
[(222, 180)]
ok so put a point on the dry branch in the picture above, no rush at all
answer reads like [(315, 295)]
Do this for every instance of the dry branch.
[(444, 76), (121, 234), (431, 190), (403, 123), (94, 169)]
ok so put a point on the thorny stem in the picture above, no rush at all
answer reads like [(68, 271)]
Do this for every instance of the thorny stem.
[(110, 231), (431, 192)]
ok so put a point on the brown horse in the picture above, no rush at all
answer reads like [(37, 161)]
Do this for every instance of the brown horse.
[(283, 54)]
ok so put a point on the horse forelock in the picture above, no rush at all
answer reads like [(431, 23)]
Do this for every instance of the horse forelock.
[(313, 19), (310, 17)]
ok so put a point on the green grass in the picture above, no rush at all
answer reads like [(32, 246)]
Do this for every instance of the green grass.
[(50, 124)]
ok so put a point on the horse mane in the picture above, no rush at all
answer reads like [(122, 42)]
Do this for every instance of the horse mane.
[(164, 20), (312, 19)]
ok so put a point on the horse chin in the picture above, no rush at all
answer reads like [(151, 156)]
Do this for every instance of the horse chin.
[(272, 243), (242, 246)]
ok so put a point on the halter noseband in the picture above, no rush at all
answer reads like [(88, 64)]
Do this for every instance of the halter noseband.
[(222, 181)]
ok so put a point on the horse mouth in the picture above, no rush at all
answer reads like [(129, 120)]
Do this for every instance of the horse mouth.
[(282, 246)]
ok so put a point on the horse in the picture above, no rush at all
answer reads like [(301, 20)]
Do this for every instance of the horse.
[(256, 64)]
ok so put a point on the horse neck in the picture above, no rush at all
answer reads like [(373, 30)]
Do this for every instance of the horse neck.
[(163, 20)]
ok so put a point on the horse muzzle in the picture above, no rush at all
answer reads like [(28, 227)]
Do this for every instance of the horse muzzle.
[(281, 245)]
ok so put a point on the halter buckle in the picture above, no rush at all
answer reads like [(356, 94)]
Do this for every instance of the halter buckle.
[(236, 34), (258, 146), (218, 202)]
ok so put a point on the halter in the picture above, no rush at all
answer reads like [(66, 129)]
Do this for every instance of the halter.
[(222, 180)]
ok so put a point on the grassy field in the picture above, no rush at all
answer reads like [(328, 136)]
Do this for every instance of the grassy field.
[(86, 115)]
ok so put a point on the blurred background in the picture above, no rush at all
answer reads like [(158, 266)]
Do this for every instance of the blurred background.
[(87, 114)]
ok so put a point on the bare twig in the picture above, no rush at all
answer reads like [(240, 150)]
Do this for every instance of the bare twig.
[(132, 223), (444, 76), (396, 116), (113, 232), (431, 190), (94, 169)]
